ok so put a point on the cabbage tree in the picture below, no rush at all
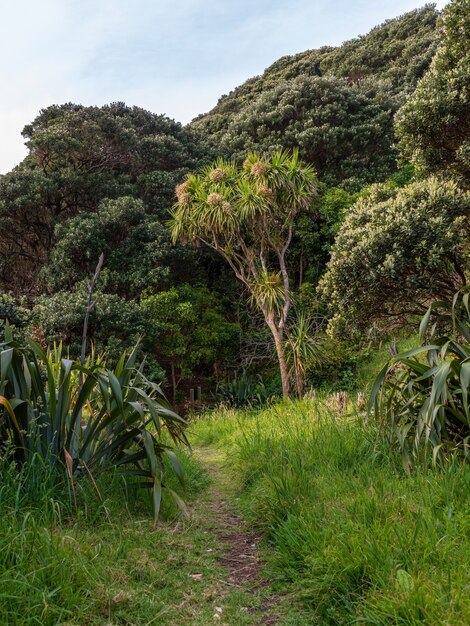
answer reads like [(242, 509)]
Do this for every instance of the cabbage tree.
[(246, 214)]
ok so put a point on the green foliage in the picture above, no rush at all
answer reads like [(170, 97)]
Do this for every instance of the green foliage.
[(344, 131), (422, 395), (314, 233), (395, 251), (227, 201), (193, 334), (136, 248), (241, 391), (335, 105), (86, 426), (97, 561), (78, 156), (246, 214), (13, 313), (397, 51), (114, 323), (348, 533), (100, 179), (305, 350), (434, 124), (338, 370)]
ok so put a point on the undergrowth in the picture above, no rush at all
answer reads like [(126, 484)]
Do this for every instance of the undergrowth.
[(78, 558), (356, 539)]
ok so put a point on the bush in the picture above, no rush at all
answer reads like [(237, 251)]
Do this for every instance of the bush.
[(84, 420), (422, 395), (396, 250), (13, 313), (242, 391)]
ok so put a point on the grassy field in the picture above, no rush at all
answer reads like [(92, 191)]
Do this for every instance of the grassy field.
[(345, 536), (349, 534), (104, 563)]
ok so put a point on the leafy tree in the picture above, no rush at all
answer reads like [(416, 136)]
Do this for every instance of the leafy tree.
[(192, 331), (27, 220), (136, 246), (315, 231), (79, 156), (395, 251), (343, 130), (335, 104), (114, 323), (434, 124), (246, 214), (397, 52)]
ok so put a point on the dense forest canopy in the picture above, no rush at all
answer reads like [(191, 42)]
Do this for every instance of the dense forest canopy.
[(79, 156), (335, 104), (383, 121)]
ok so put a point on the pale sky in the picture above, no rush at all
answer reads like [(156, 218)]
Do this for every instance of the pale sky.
[(175, 57)]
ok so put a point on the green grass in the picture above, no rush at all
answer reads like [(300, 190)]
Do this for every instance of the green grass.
[(354, 538), (99, 562), (104, 563), (347, 535), (368, 368)]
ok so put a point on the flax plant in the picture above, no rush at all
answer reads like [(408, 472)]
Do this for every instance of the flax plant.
[(121, 417)]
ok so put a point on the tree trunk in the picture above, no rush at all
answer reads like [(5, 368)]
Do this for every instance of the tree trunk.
[(281, 356), (174, 384), (299, 383)]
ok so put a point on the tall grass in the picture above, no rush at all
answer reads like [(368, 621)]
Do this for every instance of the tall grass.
[(357, 539), (57, 551)]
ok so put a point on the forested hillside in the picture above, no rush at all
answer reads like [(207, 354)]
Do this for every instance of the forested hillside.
[(162, 286), (102, 180), (335, 104)]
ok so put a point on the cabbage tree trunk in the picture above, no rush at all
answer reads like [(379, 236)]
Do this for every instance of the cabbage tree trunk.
[(278, 336)]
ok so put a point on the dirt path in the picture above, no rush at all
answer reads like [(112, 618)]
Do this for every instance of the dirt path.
[(239, 552)]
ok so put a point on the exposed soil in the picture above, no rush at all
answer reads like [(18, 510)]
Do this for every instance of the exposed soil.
[(240, 554)]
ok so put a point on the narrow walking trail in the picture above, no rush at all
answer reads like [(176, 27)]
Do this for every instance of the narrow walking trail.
[(242, 594), (208, 569)]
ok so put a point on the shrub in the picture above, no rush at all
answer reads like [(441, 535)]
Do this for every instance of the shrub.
[(242, 391), (395, 252), (87, 419), (423, 394)]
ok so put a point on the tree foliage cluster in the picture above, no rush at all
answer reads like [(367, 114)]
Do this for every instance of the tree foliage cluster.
[(434, 124), (383, 122), (97, 180), (396, 251), (336, 105), (78, 157)]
